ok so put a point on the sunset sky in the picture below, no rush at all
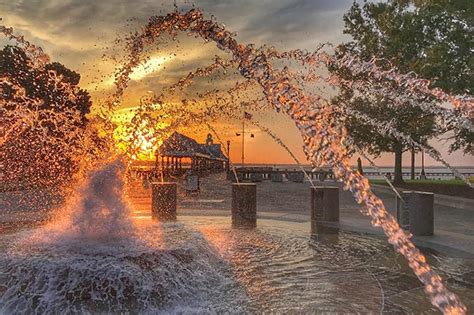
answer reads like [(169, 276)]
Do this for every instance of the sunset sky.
[(78, 33)]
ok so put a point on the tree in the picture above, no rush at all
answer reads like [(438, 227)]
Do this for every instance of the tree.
[(410, 119), (433, 38), (16, 65), (45, 113)]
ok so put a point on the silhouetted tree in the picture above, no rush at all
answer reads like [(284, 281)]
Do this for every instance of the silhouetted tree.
[(430, 37), (31, 157)]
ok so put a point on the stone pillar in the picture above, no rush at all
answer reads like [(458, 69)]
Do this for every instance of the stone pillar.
[(163, 201), (325, 204), (244, 204), (416, 214), (323, 229)]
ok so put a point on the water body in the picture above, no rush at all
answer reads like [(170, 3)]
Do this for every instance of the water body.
[(202, 265), (445, 173)]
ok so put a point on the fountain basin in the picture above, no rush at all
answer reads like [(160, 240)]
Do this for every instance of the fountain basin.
[(201, 264)]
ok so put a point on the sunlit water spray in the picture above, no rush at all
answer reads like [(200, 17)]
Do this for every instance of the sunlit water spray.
[(92, 258), (98, 214), (325, 140)]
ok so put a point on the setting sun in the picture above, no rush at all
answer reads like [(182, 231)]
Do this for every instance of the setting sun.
[(154, 160)]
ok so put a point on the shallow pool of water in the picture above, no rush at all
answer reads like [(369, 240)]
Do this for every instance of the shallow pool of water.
[(203, 265)]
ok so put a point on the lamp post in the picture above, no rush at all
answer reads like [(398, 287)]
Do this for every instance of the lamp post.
[(243, 140)]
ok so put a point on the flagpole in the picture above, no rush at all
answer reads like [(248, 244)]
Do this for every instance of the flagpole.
[(243, 141)]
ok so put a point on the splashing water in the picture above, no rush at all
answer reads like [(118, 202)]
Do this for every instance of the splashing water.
[(93, 259), (99, 210), (325, 140), (98, 214)]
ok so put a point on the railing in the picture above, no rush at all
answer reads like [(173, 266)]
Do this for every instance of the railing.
[(246, 173)]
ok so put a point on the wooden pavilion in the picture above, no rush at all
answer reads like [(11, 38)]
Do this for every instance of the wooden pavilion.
[(179, 153)]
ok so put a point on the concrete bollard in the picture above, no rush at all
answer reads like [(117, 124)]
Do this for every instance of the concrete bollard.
[(277, 177), (416, 215), (325, 204), (244, 204), (256, 177), (163, 201)]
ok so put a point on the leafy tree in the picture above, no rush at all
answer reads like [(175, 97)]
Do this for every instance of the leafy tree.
[(409, 119), (430, 37), (15, 64), (40, 152)]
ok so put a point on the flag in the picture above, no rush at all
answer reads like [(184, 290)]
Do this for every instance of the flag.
[(247, 115)]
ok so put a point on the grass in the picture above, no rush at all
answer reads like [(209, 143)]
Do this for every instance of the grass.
[(451, 187), (449, 182)]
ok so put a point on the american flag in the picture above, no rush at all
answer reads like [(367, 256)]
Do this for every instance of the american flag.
[(247, 115)]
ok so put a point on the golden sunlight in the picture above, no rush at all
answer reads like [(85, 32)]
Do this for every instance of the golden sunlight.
[(152, 65), (144, 140)]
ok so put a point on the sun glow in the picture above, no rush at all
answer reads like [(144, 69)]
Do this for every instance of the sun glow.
[(152, 65), (141, 142)]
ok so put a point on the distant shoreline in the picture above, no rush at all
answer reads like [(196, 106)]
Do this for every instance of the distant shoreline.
[(355, 166), (282, 165)]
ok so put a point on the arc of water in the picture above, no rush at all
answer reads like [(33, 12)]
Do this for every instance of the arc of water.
[(232, 166), (200, 72), (409, 81), (451, 118), (398, 98), (388, 129), (323, 141), (38, 56), (389, 183)]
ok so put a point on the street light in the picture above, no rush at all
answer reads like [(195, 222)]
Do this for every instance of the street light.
[(238, 134)]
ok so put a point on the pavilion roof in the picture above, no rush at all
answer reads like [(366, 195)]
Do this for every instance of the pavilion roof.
[(179, 145)]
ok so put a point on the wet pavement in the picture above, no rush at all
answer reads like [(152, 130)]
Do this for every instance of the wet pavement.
[(454, 228)]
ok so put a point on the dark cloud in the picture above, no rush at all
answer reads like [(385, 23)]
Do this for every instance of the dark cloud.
[(76, 32), (255, 21)]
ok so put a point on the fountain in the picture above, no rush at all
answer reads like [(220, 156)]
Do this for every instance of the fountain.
[(93, 257)]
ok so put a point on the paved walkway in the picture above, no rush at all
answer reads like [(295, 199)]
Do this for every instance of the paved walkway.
[(454, 227)]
